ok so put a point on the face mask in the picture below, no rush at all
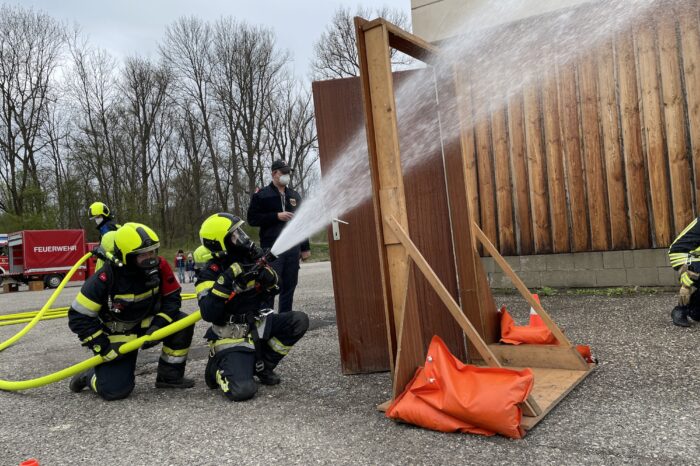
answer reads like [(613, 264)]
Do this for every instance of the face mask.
[(284, 180), (152, 277), (98, 221)]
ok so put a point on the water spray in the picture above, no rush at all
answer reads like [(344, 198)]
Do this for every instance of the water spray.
[(503, 62)]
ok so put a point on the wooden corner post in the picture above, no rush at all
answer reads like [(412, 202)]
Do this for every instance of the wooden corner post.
[(388, 188)]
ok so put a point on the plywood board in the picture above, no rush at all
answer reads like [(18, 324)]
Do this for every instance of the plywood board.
[(551, 386)]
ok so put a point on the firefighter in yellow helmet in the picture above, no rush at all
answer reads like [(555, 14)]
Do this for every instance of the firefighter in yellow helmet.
[(119, 304), (202, 255), (245, 339), (99, 213), (684, 255)]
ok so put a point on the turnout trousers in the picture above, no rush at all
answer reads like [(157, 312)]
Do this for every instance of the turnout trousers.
[(115, 380), (231, 364), (287, 268)]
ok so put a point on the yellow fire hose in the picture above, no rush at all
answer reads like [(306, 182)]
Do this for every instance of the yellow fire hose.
[(10, 341), (13, 386), (56, 313), (21, 315), (28, 319)]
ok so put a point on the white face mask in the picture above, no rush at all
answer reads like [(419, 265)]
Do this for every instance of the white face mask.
[(98, 220), (284, 180)]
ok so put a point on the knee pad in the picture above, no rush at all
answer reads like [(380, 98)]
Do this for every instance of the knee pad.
[(239, 390), (301, 323)]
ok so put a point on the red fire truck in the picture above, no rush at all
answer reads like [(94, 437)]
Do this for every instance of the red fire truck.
[(44, 255)]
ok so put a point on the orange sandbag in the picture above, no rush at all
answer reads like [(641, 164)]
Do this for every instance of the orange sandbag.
[(585, 352), (532, 334), (449, 396), (535, 333)]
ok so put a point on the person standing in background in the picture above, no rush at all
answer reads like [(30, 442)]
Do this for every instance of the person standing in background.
[(180, 265), (189, 267), (270, 209)]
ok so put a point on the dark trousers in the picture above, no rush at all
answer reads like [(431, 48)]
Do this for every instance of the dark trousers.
[(232, 369), (693, 307), (287, 268), (114, 380)]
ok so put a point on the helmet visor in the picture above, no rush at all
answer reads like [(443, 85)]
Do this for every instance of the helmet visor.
[(146, 257), (152, 247), (239, 237)]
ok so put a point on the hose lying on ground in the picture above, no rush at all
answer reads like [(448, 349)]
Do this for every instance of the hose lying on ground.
[(56, 313), (10, 341), (31, 314), (13, 386)]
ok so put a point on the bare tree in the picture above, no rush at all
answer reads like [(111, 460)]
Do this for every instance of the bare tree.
[(293, 132), (93, 144), (31, 44), (335, 52), (187, 51), (144, 87), (158, 142), (249, 70)]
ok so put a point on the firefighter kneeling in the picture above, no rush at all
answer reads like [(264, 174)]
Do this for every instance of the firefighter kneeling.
[(684, 255), (245, 339), (120, 304)]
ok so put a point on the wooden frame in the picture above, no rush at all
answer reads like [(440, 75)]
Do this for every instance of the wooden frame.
[(557, 368)]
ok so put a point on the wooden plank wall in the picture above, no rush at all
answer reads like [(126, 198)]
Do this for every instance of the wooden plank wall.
[(603, 152)]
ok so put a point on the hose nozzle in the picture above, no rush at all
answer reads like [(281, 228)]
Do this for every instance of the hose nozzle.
[(107, 256)]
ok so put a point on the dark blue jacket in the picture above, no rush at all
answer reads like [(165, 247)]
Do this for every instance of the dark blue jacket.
[(264, 207)]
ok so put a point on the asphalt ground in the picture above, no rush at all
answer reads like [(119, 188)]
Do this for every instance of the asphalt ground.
[(641, 406)]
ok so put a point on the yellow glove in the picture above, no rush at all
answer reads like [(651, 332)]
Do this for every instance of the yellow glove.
[(684, 295)]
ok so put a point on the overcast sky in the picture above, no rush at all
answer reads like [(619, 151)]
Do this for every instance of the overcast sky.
[(126, 27)]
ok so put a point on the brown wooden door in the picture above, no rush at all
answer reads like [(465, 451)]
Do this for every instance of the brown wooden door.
[(359, 303), (360, 306)]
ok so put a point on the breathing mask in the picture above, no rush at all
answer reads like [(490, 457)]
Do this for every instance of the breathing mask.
[(239, 243)]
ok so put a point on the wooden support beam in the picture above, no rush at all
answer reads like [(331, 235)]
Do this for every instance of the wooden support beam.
[(442, 292), (556, 331), (404, 41), (529, 407), (550, 356)]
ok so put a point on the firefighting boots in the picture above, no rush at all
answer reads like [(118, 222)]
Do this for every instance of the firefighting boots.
[(680, 316), (182, 382), (80, 381), (268, 376)]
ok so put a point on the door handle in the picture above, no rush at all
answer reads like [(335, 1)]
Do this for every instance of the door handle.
[(335, 223)]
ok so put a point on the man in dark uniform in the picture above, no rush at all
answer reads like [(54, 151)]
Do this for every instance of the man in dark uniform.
[(270, 209), (120, 304), (245, 339), (684, 255)]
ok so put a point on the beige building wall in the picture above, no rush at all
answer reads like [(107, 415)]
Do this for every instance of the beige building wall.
[(435, 20)]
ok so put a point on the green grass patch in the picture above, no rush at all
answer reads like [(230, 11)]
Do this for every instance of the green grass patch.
[(612, 292), (319, 252), (618, 291), (545, 291)]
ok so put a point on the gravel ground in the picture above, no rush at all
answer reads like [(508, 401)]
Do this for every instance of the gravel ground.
[(640, 406)]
